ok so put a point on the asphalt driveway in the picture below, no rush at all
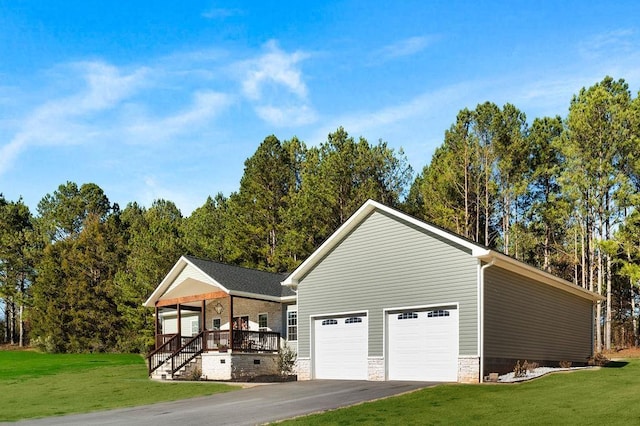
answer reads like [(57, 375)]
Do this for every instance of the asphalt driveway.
[(250, 406)]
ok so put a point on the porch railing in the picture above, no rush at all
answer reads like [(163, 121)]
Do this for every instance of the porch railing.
[(179, 350), (187, 352), (162, 353), (161, 339), (256, 341), (216, 340)]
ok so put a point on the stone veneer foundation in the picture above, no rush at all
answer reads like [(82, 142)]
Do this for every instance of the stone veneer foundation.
[(469, 369), (376, 369), (303, 368)]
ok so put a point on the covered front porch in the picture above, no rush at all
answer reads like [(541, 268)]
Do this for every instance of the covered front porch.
[(189, 326), (223, 321)]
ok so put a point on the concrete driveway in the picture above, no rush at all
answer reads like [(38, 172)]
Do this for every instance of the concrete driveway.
[(249, 406)]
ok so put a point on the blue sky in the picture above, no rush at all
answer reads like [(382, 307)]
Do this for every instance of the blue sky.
[(167, 99)]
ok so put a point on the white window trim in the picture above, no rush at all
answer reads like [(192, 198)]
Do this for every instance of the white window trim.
[(213, 320), (266, 326), (196, 322), (292, 308)]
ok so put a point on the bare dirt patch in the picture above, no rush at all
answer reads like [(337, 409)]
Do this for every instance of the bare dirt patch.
[(10, 347), (624, 353)]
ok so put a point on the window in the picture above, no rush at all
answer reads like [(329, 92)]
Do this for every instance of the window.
[(262, 322), (353, 320), (195, 327), (408, 315), (292, 325), (215, 324), (329, 322), (438, 313)]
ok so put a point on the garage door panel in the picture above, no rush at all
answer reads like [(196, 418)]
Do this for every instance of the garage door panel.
[(340, 348), (423, 345)]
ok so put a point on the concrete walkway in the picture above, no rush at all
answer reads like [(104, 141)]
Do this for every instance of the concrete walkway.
[(249, 406)]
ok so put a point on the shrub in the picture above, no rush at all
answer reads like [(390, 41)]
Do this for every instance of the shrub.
[(286, 359), (520, 370), (565, 364), (599, 359), (47, 344), (195, 374), (531, 366)]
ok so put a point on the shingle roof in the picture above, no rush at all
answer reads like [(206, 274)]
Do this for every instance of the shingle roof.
[(236, 278)]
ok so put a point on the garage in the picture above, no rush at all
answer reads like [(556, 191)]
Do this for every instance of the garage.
[(340, 347), (423, 345)]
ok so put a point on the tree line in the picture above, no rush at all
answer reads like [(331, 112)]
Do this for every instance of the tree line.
[(558, 193)]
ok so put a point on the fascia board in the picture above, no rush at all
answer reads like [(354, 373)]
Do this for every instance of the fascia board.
[(329, 243), (211, 280), (166, 282), (505, 262), (356, 219), (255, 296), (430, 228)]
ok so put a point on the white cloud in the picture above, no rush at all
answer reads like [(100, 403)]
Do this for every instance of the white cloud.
[(609, 43), (152, 188), (275, 67), (287, 116), (60, 121), (203, 108), (407, 47), (107, 86), (423, 105)]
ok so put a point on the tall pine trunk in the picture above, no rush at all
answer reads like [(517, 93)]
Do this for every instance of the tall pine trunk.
[(634, 318)]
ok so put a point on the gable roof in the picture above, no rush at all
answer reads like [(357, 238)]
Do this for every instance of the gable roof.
[(234, 280), (478, 251)]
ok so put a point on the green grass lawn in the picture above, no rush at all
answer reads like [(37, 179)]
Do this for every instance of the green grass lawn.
[(34, 384), (608, 396)]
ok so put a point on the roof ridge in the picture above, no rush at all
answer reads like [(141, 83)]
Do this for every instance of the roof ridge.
[(189, 256)]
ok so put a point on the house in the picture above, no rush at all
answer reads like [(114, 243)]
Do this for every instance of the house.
[(389, 297), (386, 297), (226, 321)]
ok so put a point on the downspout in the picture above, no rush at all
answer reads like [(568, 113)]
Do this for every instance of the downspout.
[(481, 304)]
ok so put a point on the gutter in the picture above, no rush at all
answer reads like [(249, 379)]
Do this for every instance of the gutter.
[(481, 304)]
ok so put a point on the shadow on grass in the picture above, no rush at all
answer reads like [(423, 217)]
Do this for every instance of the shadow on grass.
[(616, 364)]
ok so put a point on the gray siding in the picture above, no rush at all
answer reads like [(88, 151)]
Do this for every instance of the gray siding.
[(386, 263), (525, 319)]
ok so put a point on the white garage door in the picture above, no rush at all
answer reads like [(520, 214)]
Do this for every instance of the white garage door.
[(423, 345), (340, 348)]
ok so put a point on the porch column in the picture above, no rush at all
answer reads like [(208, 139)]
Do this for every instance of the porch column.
[(157, 322), (179, 324), (203, 323), (231, 322)]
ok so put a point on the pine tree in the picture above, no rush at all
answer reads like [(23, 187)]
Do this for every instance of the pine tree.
[(154, 244), (16, 266)]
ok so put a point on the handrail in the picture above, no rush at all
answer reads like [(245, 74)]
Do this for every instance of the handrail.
[(156, 357), (187, 352)]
